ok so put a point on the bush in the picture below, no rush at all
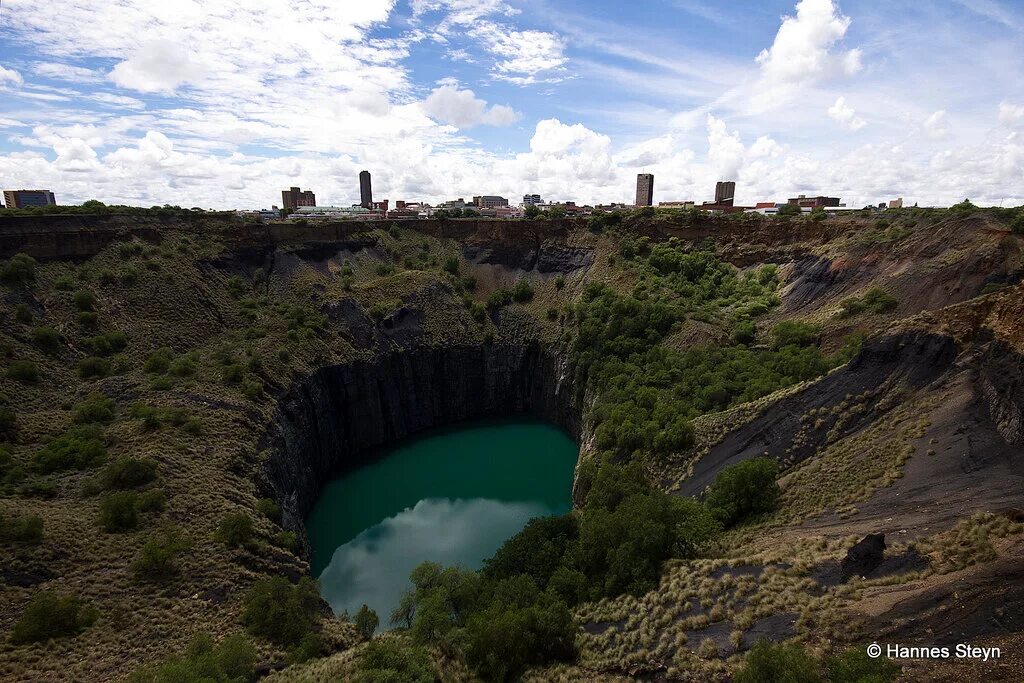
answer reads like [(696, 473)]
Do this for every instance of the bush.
[(392, 660), (233, 374), (235, 529), (233, 660), (128, 473), (183, 367), (84, 300), (93, 367), (20, 269), (156, 560), (119, 512), (451, 265), (96, 408), (23, 371), (744, 489), (794, 333), (875, 300), (52, 615), (366, 621), (152, 500), (80, 448), (789, 210), (281, 611), (1017, 224), (855, 666), (269, 509), (88, 319), (769, 663), (159, 361), (560, 282), (106, 344), (47, 339), (499, 298), (23, 314), (27, 529), (744, 333), (8, 421), (522, 292)]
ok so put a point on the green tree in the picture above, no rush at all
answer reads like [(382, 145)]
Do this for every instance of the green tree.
[(393, 660), (789, 210), (366, 621), (281, 611), (743, 490), (770, 663), (52, 615), (157, 558), (235, 529)]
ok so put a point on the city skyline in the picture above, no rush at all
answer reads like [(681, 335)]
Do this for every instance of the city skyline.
[(444, 99)]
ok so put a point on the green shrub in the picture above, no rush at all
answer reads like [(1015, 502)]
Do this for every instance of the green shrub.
[(84, 300), (88, 319), (789, 210), (52, 615), (156, 560), (875, 300), (182, 367), (794, 333), (20, 269), (119, 511), (231, 661), (269, 509), (281, 611), (499, 298), (96, 408), (233, 374), (8, 422), (743, 490), (1017, 223), (963, 207), (385, 269), (23, 314), (770, 663), (235, 529), (393, 660), (522, 292), (252, 390), (152, 500), (366, 621), (855, 666), (93, 367), (560, 282), (24, 371), (285, 539), (64, 283), (451, 265), (159, 361), (106, 344), (80, 448), (25, 529), (47, 339), (127, 472), (744, 332)]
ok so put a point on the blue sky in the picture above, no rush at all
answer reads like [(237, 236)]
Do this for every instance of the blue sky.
[(222, 103)]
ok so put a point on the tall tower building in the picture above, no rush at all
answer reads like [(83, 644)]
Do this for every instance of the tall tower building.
[(365, 193), (725, 193), (644, 189)]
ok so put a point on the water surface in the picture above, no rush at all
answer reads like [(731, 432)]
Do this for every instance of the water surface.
[(451, 496)]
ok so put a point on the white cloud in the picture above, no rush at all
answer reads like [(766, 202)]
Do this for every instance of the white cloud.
[(67, 72), (725, 150), (1011, 115), (524, 54), (845, 115), (9, 76), (937, 125), (802, 52), (463, 109), (158, 66)]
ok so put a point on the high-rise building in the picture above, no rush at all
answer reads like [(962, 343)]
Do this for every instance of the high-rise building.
[(804, 201), (644, 189), (365, 191), (294, 197), (896, 203), (531, 199), (725, 193), (19, 199)]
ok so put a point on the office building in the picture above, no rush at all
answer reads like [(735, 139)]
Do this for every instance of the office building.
[(725, 193), (489, 202), (644, 189), (531, 199), (804, 201), (896, 203), (20, 199), (294, 197), (365, 191)]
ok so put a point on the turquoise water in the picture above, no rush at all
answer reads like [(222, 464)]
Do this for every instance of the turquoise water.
[(451, 496)]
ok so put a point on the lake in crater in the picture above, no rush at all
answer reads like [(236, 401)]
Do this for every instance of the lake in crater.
[(451, 495)]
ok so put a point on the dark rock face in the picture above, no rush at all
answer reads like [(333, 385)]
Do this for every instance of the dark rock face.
[(864, 557), (544, 258), (336, 418)]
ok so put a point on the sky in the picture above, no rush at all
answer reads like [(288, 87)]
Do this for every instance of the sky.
[(222, 103)]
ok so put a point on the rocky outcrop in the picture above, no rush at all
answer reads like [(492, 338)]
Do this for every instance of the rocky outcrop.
[(339, 416), (864, 557)]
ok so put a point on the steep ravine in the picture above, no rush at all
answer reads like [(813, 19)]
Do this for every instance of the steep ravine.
[(341, 415)]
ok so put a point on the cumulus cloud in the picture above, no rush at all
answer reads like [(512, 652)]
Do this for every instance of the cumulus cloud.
[(803, 51), (937, 125), (9, 76), (158, 66), (463, 109), (845, 115), (1011, 115), (524, 55), (725, 150)]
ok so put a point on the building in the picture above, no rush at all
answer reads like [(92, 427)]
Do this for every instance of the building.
[(294, 197), (365, 191), (896, 203), (725, 193), (531, 199), (804, 201), (489, 201), (331, 212), (20, 199), (459, 203), (382, 205), (644, 189), (676, 205)]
